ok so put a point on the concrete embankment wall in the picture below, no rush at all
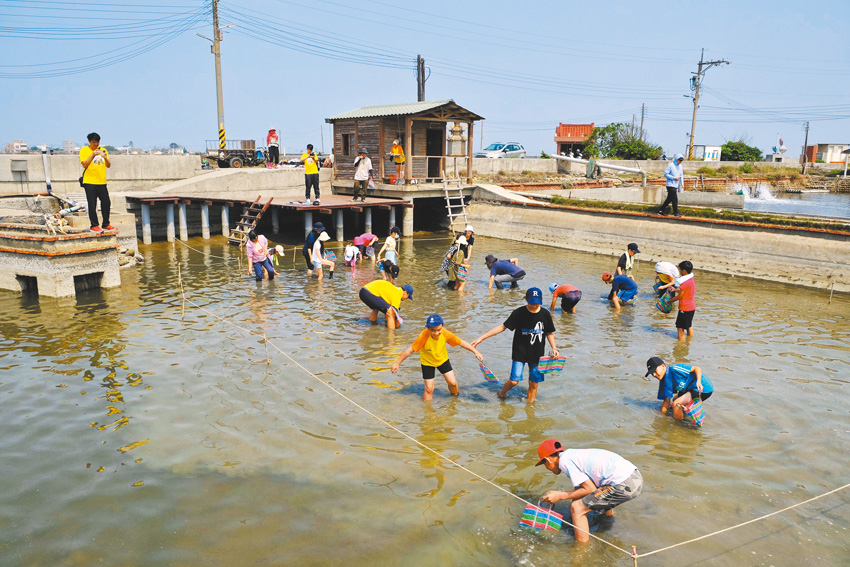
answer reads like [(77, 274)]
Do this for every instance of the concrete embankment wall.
[(652, 196), (128, 173), (796, 257)]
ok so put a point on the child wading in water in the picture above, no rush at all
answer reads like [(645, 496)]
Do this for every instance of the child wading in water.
[(433, 355)]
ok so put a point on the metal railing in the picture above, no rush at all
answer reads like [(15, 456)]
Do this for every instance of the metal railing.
[(607, 166)]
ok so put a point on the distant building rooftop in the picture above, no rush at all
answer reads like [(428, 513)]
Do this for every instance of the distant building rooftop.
[(573, 133)]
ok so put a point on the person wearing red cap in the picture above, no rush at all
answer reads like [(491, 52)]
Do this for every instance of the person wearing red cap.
[(602, 480)]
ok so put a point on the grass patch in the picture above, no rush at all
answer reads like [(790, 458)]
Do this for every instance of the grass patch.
[(723, 214)]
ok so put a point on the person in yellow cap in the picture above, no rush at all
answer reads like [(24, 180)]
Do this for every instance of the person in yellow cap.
[(602, 480)]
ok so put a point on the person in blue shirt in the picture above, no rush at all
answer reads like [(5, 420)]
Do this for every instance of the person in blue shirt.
[(675, 176), (503, 271), (678, 384), (623, 289)]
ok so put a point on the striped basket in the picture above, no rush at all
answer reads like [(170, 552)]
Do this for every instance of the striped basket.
[(488, 374), (695, 413), (551, 364), (370, 252), (461, 273), (539, 518), (330, 256)]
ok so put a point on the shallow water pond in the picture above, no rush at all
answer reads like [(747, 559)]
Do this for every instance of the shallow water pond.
[(139, 431)]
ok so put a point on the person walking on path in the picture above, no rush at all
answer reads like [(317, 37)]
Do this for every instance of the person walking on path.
[(570, 296), (397, 155), (627, 261), (311, 173), (503, 271), (686, 296), (307, 251), (273, 142), (623, 289), (602, 480), (380, 295), (257, 249), (675, 175), (433, 355), (530, 324), (362, 175), (678, 385), (95, 160)]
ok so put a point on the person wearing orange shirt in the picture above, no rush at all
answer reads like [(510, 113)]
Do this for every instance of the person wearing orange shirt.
[(433, 355)]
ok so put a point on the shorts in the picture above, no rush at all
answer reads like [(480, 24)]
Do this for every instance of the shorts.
[(392, 256), (570, 299), (685, 319), (317, 265), (695, 395), (428, 372), (399, 162), (609, 496), (373, 301), (517, 368), (626, 294)]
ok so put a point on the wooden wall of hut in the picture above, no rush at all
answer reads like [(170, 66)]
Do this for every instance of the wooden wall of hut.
[(366, 135)]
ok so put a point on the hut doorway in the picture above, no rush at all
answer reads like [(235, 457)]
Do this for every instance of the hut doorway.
[(434, 145)]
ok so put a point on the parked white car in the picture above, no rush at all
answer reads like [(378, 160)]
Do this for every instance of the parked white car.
[(500, 150)]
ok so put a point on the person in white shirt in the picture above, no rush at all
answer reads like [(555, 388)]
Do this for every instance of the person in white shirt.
[(601, 481), (362, 174)]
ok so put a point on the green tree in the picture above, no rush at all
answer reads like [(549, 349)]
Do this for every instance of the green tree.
[(739, 151), (618, 141), (110, 149)]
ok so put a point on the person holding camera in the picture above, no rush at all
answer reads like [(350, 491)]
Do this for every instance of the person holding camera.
[(95, 160), (311, 173)]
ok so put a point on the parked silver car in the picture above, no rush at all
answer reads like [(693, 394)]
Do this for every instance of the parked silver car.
[(500, 150)]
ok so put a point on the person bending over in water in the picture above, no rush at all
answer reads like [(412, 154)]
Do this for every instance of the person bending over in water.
[(383, 296), (678, 385)]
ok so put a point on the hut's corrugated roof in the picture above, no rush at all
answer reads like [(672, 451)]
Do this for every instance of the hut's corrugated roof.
[(403, 109)]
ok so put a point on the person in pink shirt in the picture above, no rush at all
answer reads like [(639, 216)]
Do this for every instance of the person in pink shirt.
[(570, 296), (257, 249), (686, 297), (366, 240)]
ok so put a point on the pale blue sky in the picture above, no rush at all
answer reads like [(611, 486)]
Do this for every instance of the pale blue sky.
[(524, 66)]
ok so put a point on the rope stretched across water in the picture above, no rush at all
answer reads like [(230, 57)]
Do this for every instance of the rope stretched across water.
[(632, 553)]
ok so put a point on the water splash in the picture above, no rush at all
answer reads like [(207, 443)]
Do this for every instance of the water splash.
[(758, 191)]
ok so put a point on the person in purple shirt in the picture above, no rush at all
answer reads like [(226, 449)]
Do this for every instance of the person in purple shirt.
[(503, 271)]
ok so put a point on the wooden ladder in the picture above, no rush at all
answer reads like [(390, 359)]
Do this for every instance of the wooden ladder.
[(455, 204), (248, 222)]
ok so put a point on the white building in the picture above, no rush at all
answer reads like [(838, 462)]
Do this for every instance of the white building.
[(69, 147), (16, 147), (831, 153), (707, 153)]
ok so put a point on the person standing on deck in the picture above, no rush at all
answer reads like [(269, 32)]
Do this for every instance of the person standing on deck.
[(397, 155), (311, 173), (362, 175), (95, 160), (273, 142)]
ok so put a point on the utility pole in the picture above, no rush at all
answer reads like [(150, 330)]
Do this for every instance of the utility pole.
[(216, 51), (805, 148), (642, 113), (420, 78), (696, 81)]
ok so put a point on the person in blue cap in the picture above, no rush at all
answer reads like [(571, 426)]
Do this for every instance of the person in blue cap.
[(532, 326), (433, 355)]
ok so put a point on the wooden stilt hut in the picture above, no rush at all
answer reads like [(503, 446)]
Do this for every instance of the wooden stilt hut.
[(421, 127)]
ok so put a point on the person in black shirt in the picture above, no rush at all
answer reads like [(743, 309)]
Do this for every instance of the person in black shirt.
[(470, 241), (530, 324), (627, 261)]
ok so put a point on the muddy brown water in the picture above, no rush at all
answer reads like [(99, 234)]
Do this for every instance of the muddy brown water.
[(132, 437)]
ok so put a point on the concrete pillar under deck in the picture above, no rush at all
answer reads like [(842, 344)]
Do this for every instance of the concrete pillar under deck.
[(308, 221), (340, 235), (368, 223), (392, 218), (407, 221), (182, 222), (169, 222), (275, 220), (225, 221), (146, 223), (205, 221)]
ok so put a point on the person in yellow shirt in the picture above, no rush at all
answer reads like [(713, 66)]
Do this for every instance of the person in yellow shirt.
[(311, 173), (433, 355), (385, 297), (397, 154), (95, 160)]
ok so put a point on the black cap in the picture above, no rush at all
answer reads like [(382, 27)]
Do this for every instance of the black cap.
[(489, 259), (652, 364), (319, 227), (634, 246)]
